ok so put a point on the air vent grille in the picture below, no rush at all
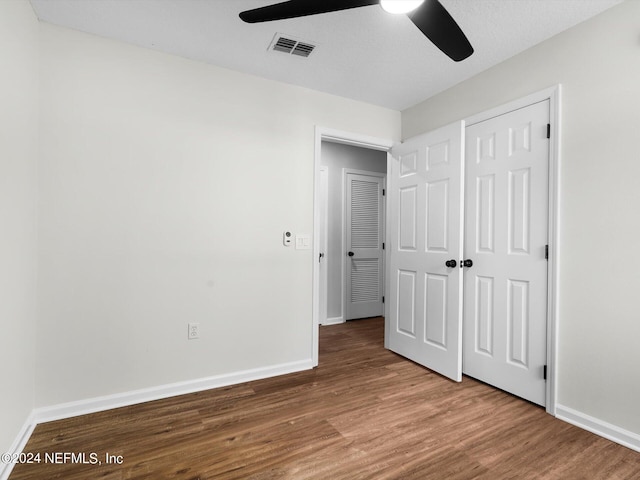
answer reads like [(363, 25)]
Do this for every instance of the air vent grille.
[(285, 45), (290, 45), (303, 49)]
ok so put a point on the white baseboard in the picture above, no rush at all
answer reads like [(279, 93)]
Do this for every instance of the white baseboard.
[(333, 321), (66, 410), (97, 404), (107, 402), (599, 427), (18, 445)]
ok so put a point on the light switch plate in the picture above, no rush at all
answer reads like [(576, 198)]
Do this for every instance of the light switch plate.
[(303, 241)]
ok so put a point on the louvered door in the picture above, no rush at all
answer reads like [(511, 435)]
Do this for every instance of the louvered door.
[(364, 229)]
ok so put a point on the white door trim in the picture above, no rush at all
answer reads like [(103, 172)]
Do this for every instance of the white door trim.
[(323, 226), (553, 94), (346, 138)]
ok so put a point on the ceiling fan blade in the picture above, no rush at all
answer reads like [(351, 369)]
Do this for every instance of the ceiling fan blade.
[(438, 26), (300, 8)]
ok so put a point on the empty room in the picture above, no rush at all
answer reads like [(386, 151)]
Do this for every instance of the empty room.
[(375, 239)]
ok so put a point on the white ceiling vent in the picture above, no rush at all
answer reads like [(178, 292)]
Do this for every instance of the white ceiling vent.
[(291, 45)]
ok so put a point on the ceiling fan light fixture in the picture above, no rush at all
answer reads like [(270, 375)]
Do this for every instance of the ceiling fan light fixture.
[(431, 18), (400, 6)]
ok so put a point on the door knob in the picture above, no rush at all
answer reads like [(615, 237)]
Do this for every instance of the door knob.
[(451, 263), (351, 254), (466, 263)]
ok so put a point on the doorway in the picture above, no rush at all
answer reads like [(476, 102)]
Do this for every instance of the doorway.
[(354, 230), (326, 136)]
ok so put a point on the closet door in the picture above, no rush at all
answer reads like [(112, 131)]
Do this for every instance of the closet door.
[(506, 233), (425, 247), (365, 230)]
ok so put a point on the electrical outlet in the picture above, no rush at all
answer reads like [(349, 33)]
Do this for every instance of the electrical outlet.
[(194, 331)]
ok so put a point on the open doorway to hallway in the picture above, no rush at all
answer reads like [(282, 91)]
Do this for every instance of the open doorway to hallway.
[(324, 137), (352, 231)]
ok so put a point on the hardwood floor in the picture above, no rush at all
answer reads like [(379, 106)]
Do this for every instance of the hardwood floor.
[(364, 413)]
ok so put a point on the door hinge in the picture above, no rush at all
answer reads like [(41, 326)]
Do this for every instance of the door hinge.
[(383, 299), (548, 130), (544, 372), (546, 252), (383, 245), (383, 192)]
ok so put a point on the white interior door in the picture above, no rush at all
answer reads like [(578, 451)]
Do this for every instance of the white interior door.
[(364, 238), (506, 231), (425, 232)]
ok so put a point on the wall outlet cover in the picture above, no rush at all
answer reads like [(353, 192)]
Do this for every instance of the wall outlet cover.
[(194, 331)]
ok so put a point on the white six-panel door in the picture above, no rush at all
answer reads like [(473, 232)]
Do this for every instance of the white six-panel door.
[(505, 306), (502, 339), (425, 232)]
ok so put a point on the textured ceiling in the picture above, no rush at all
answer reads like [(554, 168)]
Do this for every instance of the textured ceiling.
[(364, 53)]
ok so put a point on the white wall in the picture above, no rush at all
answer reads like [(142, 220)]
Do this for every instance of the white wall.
[(598, 65), (18, 183), (166, 185), (335, 157)]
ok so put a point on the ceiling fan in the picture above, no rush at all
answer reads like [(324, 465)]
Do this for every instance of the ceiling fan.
[(429, 16)]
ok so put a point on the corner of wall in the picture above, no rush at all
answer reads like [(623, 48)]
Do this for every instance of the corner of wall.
[(19, 63), (599, 427)]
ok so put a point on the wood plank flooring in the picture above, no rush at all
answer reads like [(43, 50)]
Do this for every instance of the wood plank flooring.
[(364, 413)]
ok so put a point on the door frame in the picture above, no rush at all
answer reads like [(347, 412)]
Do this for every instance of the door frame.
[(323, 182), (345, 138), (553, 94)]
